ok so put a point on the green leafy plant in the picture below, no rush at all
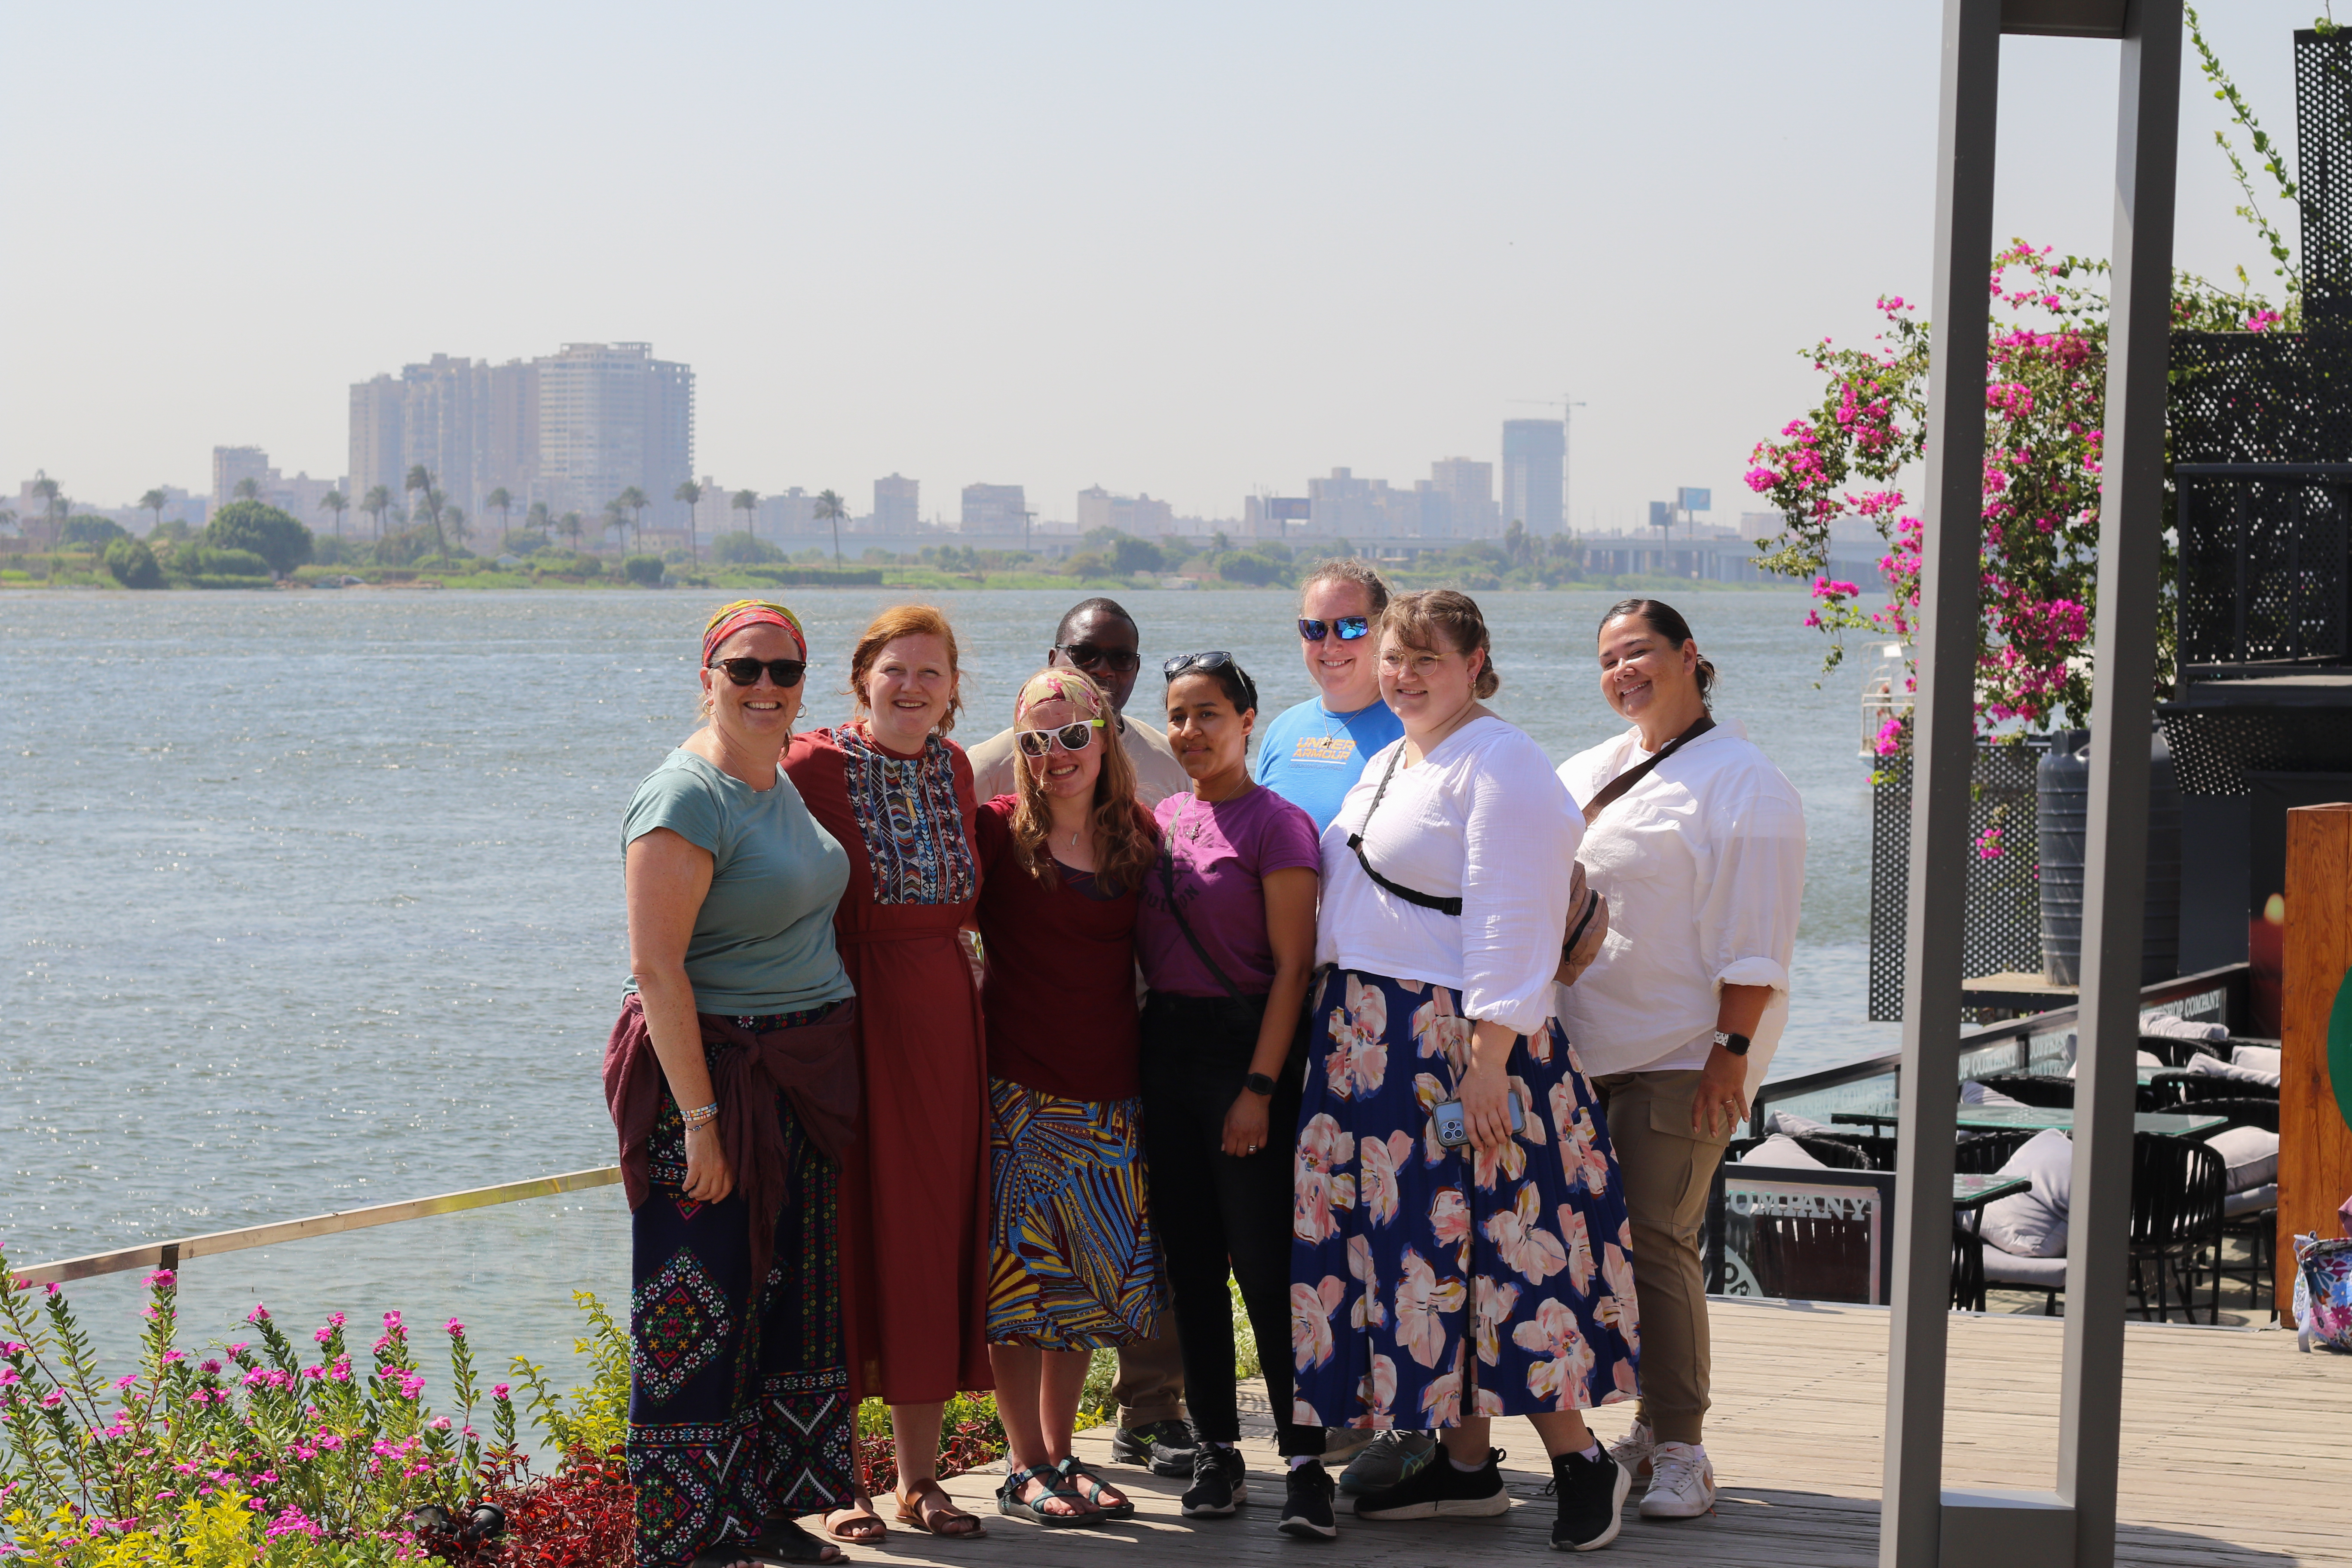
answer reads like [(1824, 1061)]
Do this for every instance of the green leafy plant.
[(594, 1417)]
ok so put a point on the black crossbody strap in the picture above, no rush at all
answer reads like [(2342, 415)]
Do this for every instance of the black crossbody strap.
[(1616, 787), (1167, 883), (1355, 842)]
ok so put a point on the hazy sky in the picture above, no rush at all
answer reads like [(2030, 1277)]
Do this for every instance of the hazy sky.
[(1188, 249)]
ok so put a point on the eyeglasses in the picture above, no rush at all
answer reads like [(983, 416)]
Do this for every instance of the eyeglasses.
[(1072, 737), (1350, 628), (785, 672), (1086, 656), (1216, 658)]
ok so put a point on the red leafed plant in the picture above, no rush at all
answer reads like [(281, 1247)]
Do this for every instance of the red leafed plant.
[(583, 1516)]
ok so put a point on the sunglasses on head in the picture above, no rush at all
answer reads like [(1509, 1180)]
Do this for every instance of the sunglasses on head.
[(1086, 656), (785, 672), (1350, 628), (1072, 737), (1185, 663)]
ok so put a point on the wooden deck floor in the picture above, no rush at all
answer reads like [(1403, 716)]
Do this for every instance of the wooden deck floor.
[(2237, 1451)]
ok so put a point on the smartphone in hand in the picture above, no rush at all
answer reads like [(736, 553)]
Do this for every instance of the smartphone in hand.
[(1453, 1128)]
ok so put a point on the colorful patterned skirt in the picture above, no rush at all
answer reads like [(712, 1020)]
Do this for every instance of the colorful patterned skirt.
[(739, 1406), (1072, 1262), (1428, 1283)]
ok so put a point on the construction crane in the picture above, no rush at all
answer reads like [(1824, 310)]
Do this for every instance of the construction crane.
[(1567, 404)]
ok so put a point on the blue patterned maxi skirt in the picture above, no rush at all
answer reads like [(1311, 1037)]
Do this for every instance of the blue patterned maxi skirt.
[(1427, 1283), (738, 1391)]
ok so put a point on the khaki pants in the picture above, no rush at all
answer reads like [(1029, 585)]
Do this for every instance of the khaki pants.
[(1150, 1386), (1667, 1172)]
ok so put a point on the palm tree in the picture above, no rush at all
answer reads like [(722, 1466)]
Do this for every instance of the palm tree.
[(457, 515), (247, 489), (333, 500), (428, 500), (498, 500), (571, 527), (634, 500), (374, 503), (830, 510), (747, 502), (155, 500), (46, 489), (536, 519), (691, 494), (617, 516)]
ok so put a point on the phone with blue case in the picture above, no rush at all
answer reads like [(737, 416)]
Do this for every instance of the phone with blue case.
[(1453, 1129)]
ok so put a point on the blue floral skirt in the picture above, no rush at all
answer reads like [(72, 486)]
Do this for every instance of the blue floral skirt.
[(1430, 1283)]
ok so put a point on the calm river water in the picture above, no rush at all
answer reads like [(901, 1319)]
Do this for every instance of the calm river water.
[(313, 901)]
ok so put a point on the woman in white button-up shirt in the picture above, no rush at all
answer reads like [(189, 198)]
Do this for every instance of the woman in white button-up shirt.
[(1703, 863), (1438, 1281)]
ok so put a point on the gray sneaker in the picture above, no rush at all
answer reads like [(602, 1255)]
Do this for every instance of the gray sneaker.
[(1385, 1461)]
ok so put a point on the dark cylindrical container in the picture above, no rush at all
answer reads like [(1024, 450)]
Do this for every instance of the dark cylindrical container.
[(2061, 817)]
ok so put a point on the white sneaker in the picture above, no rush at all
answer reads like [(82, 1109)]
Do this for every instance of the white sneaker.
[(1634, 1450), (1681, 1482)]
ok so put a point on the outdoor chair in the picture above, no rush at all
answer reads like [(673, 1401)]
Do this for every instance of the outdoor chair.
[(2174, 1052), (1967, 1270), (1810, 1258), (2249, 1216), (1836, 1150), (1982, 1153), (2256, 1109), (2177, 1191), (2196, 1093)]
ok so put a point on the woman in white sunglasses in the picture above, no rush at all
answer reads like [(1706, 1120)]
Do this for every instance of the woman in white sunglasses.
[(1063, 861)]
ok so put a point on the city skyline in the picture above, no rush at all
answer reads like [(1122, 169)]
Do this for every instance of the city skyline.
[(1285, 244)]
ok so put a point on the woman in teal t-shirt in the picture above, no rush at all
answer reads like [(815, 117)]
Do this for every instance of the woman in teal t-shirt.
[(732, 1078)]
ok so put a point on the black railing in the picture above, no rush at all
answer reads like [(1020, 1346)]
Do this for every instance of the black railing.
[(2264, 577)]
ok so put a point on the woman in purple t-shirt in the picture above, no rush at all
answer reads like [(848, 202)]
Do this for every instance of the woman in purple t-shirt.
[(1226, 935)]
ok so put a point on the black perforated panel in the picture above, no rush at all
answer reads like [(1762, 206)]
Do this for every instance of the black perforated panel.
[(2004, 907), (2265, 566), (2214, 748)]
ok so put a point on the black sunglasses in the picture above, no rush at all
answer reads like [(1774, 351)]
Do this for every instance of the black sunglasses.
[(1350, 628), (785, 672), (1215, 659), (1085, 656)]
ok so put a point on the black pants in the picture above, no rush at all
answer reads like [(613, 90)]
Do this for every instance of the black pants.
[(1210, 1208)]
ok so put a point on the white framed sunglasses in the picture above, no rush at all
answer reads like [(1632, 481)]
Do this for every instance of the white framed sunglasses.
[(1075, 736)]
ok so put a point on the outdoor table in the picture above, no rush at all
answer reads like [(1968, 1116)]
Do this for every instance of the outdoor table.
[(1973, 1192), (2038, 1118)]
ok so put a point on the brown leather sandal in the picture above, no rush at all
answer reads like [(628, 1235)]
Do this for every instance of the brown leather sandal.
[(930, 1521), (859, 1523)]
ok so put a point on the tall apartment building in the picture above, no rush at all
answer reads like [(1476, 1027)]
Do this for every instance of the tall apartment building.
[(572, 429), (612, 416), (232, 466), (298, 496), (1352, 508), (1464, 493), (897, 504), (1535, 473), (791, 515), (995, 509), (1139, 516)]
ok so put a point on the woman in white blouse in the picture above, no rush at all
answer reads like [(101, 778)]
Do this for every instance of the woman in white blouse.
[(1701, 854), (1459, 1241)]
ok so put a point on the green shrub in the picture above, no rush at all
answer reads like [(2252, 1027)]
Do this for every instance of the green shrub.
[(207, 560), (644, 571), (91, 529), (262, 529), (134, 565), (742, 549)]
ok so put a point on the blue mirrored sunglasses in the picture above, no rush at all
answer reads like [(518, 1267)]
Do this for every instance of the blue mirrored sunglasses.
[(1350, 628)]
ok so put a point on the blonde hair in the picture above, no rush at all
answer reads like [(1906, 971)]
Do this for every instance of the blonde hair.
[(1122, 848), (905, 621), (1439, 620)]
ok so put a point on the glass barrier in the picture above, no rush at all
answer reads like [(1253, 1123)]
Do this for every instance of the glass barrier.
[(507, 1272)]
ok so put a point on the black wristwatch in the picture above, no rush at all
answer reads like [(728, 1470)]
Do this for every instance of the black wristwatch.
[(1736, 1043), (1258, 1083)]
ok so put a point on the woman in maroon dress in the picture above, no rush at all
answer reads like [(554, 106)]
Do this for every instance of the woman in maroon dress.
[(913, 1191)]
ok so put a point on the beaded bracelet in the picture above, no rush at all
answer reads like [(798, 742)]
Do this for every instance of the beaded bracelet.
[(703, 1117)]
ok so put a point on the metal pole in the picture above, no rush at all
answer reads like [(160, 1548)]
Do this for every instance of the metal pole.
[(2115, 874), (1943, 747)]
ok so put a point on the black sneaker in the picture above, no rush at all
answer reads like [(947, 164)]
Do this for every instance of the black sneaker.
[(1306, 1503), (1592, 1501), (1438, 1491), (1220, 1483), (1164, 1447)]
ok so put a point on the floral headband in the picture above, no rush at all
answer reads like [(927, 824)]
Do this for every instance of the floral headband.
[(733, 618)]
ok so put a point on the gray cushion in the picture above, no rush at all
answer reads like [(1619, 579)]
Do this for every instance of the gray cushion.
[(2250, 1153), (2172, 1026), (2214, 1067), (1974, 1093), (2254, 1200), (2040, 1273), (1780, 1149), (1790, 1122), (2032, 1224)]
